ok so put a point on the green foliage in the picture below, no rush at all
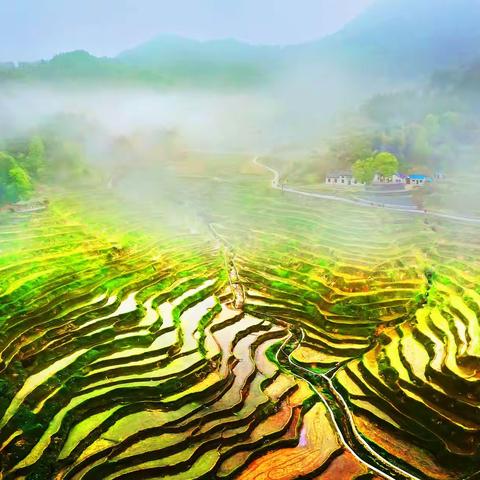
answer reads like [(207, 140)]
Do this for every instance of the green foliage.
[(364, 170), (383, 163), (429, 128), (79, 68), (386, 164), (19, 186), (15, 183), (7, 162), (35, 160), (384, 339), (389, 374), (427, 145)]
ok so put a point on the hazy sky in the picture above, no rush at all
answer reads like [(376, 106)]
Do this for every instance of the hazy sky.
[(34, 29)]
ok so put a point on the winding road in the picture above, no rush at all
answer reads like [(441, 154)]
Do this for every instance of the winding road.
[(363, 203), (346, 428), (385, 469), (342, 421), (388, 470)]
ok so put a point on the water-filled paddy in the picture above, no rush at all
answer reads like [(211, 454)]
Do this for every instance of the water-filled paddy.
[(126, 351)]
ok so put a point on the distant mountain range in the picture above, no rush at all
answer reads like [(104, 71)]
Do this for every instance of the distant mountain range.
[(409, 37), (393, 39)]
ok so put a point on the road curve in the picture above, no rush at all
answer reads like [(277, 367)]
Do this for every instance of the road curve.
[(362, 203), (390, 467)]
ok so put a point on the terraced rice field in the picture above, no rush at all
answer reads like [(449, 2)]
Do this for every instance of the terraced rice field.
[(250, 335)]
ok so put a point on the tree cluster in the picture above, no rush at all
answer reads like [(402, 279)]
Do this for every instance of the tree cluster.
[(383, 163), (18, 173)]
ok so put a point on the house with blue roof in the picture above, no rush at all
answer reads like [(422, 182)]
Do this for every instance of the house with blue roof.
[(418, 180), (400, 180)]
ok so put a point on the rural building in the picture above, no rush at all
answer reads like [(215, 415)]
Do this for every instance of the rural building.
[(341, 178), (397, 178), (418, 180), (346, 178)]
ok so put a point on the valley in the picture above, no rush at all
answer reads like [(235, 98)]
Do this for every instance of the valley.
[(133, 352)]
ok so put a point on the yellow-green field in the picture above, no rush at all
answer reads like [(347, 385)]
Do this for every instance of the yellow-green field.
[(237, 332)]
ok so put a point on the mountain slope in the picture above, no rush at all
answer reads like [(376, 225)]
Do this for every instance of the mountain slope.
[(407, 37), (393, 40), (173, 49), (394, 37), (228, 60)]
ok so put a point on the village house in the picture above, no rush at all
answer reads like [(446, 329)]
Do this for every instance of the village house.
[(418, 180), (346, 178), (341, 178), (397, 178)]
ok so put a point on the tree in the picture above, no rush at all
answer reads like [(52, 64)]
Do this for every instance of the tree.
[(15, 183), (386, 164), (19, 186), (364, 170), (35, 160), (7, 162)]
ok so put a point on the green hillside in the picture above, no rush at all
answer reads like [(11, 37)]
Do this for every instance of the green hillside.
[(393, 40)]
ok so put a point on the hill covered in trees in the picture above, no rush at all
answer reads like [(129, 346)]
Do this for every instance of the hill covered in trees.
[(434, 127), (18, 173), (25, 164), (393, 41)]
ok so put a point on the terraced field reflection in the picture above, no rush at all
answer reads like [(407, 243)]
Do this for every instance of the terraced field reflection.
[(249, 335)]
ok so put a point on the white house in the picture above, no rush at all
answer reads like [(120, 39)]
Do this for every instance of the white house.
[(397, 178), (344, 178)]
